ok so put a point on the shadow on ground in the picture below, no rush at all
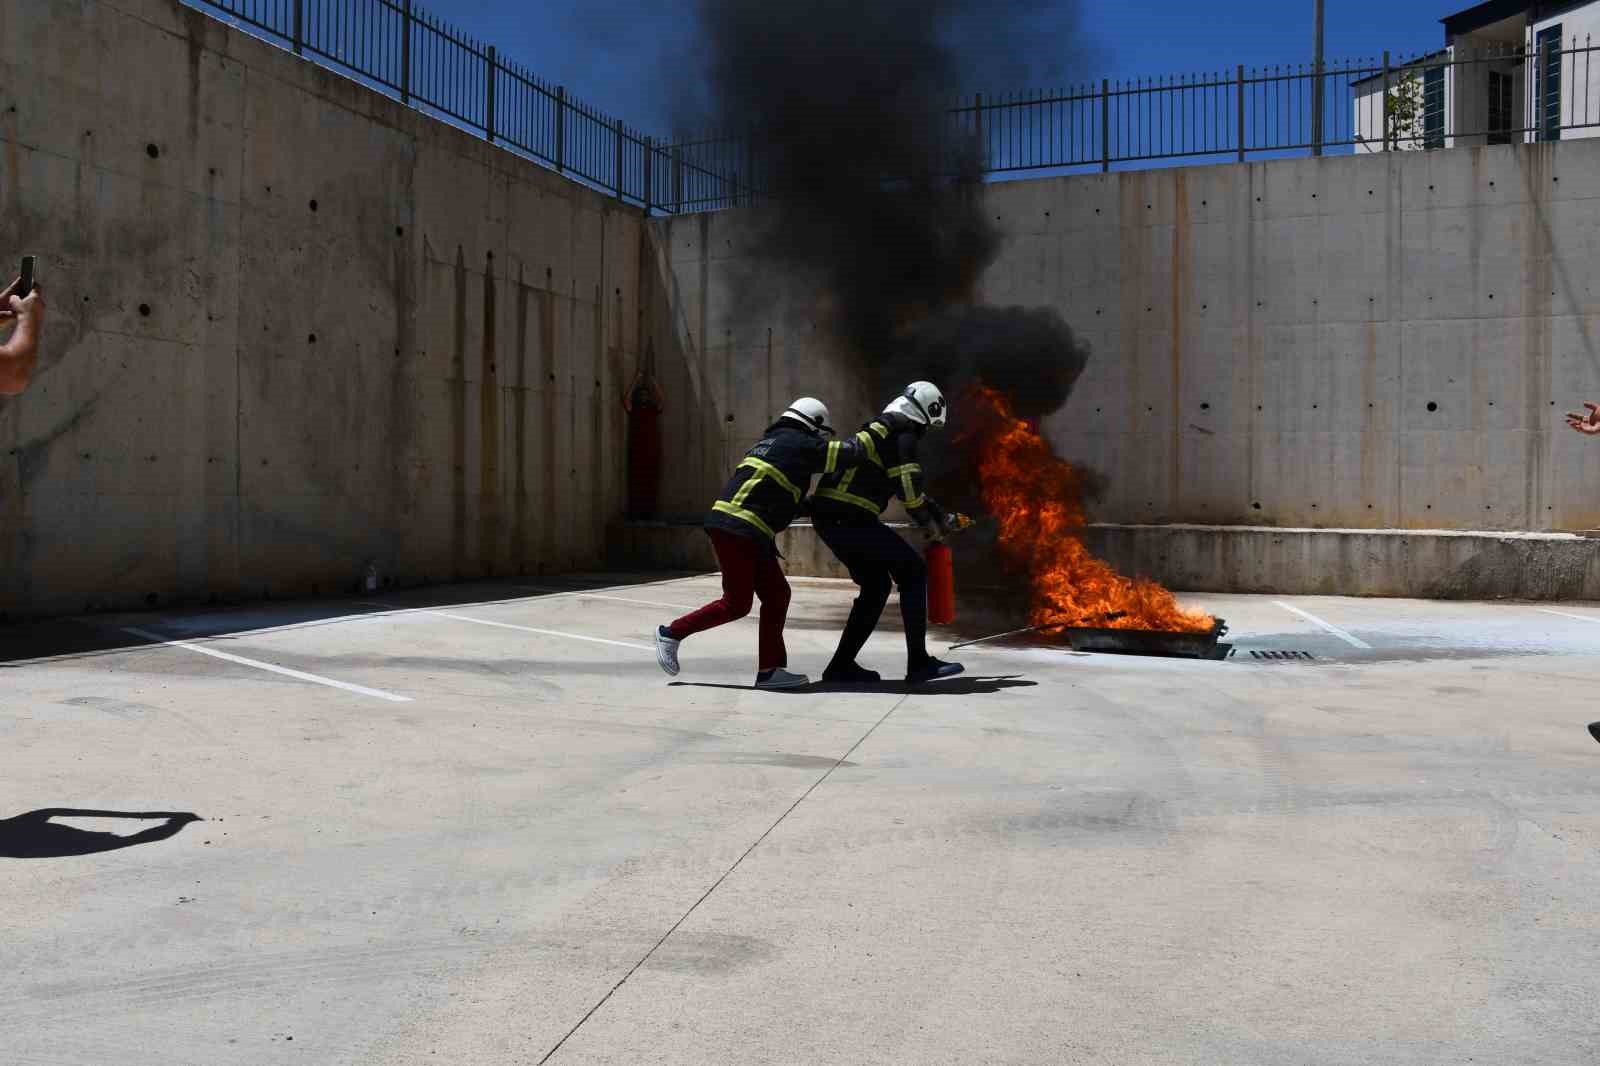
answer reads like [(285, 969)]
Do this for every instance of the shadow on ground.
[(34, 836), (956, 686), (89, 635)]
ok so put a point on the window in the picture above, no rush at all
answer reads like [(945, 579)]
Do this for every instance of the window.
[(1499, 107), (1547, 101), (1433, 107)]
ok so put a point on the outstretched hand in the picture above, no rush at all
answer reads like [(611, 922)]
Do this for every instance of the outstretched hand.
[(1589, 424)]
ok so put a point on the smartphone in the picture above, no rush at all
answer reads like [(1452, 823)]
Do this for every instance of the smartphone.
[(25, 286)]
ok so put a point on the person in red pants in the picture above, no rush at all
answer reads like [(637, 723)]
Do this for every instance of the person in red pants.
[(759, 502)]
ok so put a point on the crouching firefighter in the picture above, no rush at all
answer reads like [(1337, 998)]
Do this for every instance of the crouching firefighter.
[(845, 510), (760, 501)]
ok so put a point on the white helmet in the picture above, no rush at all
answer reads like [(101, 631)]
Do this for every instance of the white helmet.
[(812, 413), (922, 402)]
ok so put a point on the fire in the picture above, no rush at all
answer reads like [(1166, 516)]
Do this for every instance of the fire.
[(1037, 499)]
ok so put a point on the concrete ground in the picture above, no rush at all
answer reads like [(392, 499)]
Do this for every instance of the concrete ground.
[(507, 839)]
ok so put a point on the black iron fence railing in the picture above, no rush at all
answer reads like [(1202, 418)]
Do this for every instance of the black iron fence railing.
[(1532, 91)]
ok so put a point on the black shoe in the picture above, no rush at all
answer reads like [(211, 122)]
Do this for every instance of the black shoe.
[(932, 670), (1594, 730), (850, 674)]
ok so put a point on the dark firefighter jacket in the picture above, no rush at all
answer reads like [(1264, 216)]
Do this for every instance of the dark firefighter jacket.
[(767, 486), (888, 467)]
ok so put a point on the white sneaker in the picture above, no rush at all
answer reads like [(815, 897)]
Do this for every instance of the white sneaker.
[(667, 652), (781, 678)]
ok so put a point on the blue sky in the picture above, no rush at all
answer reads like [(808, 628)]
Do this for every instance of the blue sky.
[(626, 57)]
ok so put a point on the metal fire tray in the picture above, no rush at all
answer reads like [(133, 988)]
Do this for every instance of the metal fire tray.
[(1150, 642)]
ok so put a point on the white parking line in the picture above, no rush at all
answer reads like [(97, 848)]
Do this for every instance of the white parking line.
[(597, 596), (1574, 617), (299, 675), (531, 629), (1329, 626)]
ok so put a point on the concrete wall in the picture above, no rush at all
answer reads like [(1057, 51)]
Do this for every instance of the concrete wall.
[(1434, 564), (755, 343), (294, 326), (1269, 336)]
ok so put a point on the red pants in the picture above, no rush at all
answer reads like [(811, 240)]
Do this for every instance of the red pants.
[(747, 568)]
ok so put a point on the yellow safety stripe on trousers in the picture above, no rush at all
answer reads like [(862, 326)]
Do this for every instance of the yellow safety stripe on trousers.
[(872, 448), (908, 490), (847, 497), (833, 456), (744, 516), (765, 469)]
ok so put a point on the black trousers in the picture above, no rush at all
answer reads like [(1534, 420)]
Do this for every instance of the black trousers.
[(875, 554)]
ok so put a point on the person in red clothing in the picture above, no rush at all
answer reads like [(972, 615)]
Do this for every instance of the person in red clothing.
[(759, 502)]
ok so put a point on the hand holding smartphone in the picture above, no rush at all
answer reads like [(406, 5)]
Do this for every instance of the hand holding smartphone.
[(20, 288)]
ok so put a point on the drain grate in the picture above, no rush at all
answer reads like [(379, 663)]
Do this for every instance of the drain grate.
[(1281, 656)]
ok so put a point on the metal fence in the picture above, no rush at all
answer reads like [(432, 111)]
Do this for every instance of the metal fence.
[(1515, 93), (408, 53), (1501, 95)]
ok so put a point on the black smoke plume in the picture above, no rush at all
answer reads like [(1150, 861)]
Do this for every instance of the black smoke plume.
[(872, 191), (1029, 354)]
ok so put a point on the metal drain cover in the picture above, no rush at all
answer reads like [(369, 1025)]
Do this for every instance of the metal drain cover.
[(1283, 655)]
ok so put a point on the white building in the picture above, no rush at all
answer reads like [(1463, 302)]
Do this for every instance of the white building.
[(1511, 70)]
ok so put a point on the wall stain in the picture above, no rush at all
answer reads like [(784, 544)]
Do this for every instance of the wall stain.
[(458, 421), (1538, 164), (549, 384), (519, 398), (1180, 278), (195, 37), (402, 418), (488, 432), (1369, 430), (598, 478)]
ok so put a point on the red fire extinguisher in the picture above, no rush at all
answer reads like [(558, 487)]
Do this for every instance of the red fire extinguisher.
[(643, 404), (942, 575)]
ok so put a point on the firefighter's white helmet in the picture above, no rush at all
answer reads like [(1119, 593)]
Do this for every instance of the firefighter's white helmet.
[(922, 402), (812, 413)]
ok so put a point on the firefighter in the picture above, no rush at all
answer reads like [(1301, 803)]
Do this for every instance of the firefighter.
[(845, 510), (760, 501)]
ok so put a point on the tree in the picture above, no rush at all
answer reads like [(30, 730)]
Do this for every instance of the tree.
[(1402, 114)]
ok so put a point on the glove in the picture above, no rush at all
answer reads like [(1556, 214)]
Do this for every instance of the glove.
[(803, 510), (930, 519)]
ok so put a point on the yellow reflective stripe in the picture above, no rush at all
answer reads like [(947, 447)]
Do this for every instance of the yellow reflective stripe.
[(833, 456), (908, 490), (745, 489), (872, 448), (880, 429), (743, 515), (771, 471), (846, 497)]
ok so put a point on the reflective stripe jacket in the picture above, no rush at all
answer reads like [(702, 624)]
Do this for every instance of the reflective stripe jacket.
[(888, 467), (764, 494)]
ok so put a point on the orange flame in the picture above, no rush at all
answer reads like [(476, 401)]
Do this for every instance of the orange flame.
[(1037, 498)]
